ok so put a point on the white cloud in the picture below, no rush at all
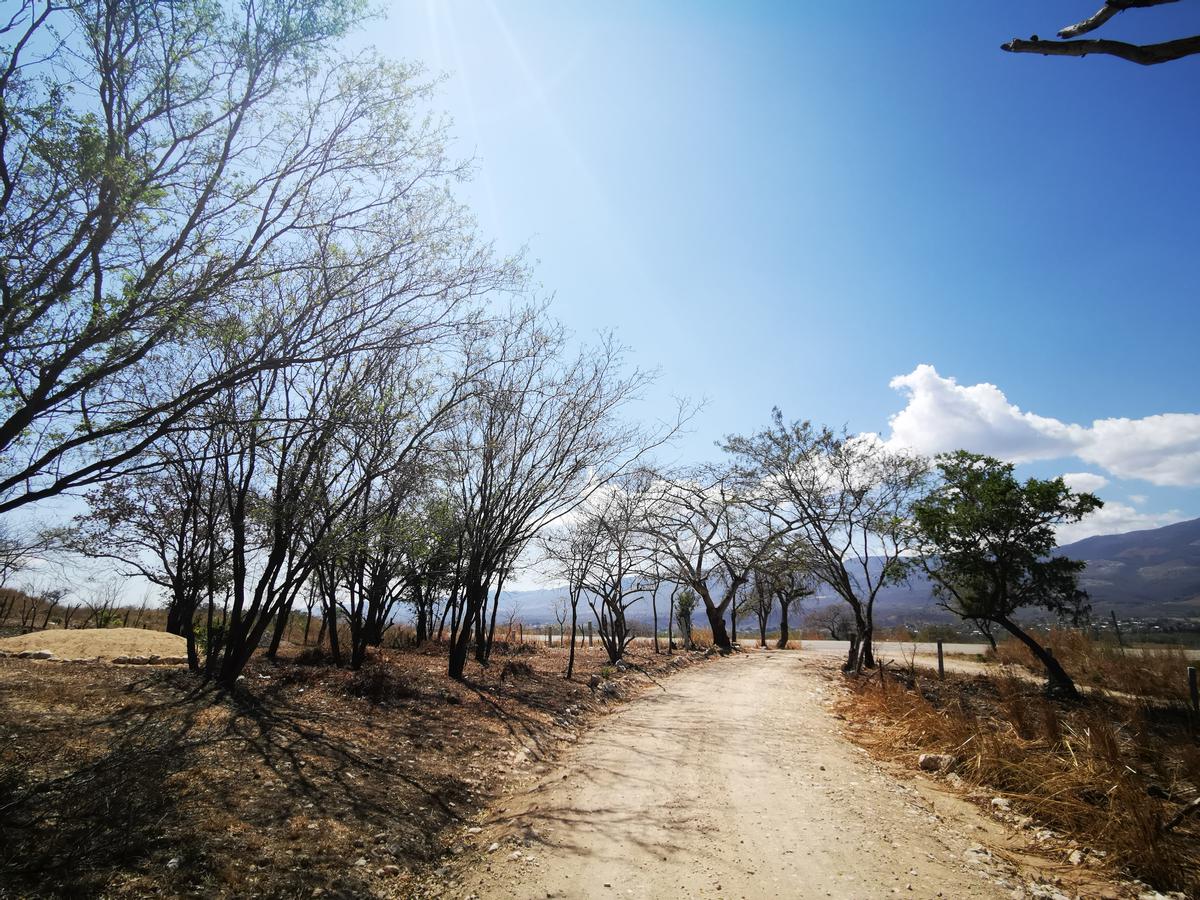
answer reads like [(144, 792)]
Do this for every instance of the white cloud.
[(943, 415), (1084, 481), (1115, 518), (1137, 499)]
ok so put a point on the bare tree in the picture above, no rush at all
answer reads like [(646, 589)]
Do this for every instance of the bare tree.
[(214, 170), (622, 564), (570, 550), (540, 436), (101, 605), (834, 619), (850, 500), (714, 528), (562, 609), (760, 600), (790, 586), (1142, 54), (166, 523)]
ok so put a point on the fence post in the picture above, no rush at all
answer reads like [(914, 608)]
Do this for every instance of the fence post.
[(941, 663), (1117, 629), (521, 631), (591, 641), (1194, 690)]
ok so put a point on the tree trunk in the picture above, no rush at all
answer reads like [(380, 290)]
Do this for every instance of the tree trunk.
[(866, 646), (783, 627), (1058, 682), (335, 649), (422, 616), (654, 610), (762, 631), (732, 623), (491, 632), (281, 623), (716, 621), (474, 602), (175, 617), (571, 652), (189, 635), (670, 623)]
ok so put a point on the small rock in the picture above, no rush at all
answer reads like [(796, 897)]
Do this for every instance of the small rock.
[(492, 848), (474, 829), (35, 654), (515, 855), (1076, 858), (173, 863), (361, 861), (936, 762), (391, 869), (1002, 803)]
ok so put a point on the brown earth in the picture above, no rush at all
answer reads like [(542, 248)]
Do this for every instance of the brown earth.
[(309, 781), (735, 780)]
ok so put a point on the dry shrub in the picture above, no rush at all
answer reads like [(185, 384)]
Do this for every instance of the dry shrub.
[(515, 648), (312, 656), (702, 638), (1157, 673), (516, 669), (1109, 773), (381, 684)]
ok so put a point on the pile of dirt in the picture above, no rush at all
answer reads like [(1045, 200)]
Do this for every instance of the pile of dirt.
[(122, 644)]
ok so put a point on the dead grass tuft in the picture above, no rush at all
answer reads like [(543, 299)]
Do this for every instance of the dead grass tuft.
[(1158, 673), (1108, 773)]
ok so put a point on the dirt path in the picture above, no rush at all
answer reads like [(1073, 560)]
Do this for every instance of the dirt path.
[(732, 782)]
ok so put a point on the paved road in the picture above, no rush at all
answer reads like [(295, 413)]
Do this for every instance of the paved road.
[(732, 782)]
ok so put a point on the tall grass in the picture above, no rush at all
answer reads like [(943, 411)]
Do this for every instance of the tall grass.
[(1157, 673), (1109, 773)]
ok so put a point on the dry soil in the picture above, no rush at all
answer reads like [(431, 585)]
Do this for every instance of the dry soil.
[(733, 780)]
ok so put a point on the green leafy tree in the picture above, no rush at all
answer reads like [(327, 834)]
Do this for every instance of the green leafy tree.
[(989, 548)]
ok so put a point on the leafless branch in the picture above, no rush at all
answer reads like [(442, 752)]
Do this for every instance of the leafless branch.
[(1142, 54), (1106, 12)]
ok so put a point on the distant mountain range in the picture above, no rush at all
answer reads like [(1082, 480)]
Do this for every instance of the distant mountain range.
[(1140, 574)]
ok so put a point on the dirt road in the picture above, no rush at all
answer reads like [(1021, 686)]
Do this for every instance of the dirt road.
[(732, 781)]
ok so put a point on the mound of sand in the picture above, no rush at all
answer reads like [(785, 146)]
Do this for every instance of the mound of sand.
[(106, 643)]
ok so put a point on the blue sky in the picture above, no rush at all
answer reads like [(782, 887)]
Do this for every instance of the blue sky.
[(794, 203)]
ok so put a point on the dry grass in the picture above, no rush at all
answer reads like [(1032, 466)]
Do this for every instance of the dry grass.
[(1107, 773), (102, 643), (140, 783), (702, 638), (1159, 673)]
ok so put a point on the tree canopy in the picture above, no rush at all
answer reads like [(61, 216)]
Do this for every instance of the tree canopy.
[(989, 543)]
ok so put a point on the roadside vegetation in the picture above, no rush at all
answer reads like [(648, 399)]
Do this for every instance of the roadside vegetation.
[(1109, 783)]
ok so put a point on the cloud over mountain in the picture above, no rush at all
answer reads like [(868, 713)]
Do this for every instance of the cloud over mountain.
[(943, 415)]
